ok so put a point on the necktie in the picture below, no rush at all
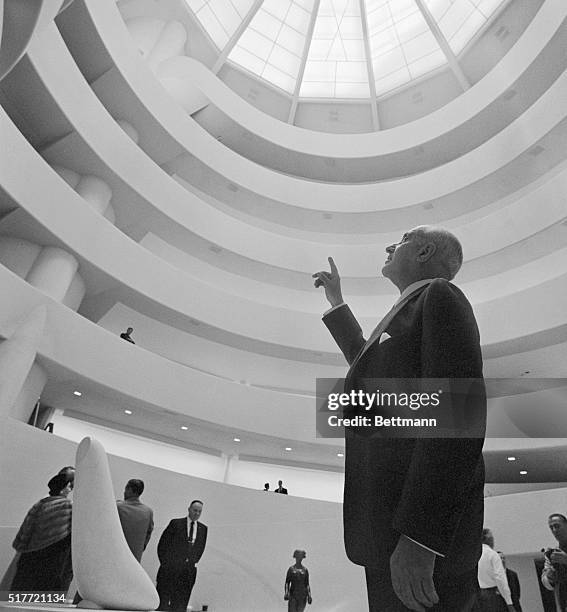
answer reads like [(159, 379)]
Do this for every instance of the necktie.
[(191, 531)]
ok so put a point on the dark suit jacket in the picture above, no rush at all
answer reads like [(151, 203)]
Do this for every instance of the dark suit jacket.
[(174, 549), (430, 489), (514, 584), (282, 490)]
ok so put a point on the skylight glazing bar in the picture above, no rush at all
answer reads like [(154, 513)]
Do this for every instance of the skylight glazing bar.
[(443, 43), (308, 38), (237, 34), (369, 68)]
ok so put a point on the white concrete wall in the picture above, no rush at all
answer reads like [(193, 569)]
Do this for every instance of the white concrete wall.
[(300, 482)]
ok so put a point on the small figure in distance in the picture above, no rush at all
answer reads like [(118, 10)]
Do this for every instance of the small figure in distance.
[(126, 335), (281, 488), (266, 487), (297, 590)]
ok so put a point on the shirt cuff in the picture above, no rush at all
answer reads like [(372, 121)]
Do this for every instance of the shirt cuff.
[(333, 308), (423, 546)]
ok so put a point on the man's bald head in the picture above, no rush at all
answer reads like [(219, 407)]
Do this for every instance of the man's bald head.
[(423, 252), (448, 256)]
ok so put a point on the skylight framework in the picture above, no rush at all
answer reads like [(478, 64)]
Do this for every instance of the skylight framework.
[(274, 43), (342, 49)]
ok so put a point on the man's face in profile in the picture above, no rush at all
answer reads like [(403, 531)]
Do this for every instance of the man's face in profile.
[(558, 528), (401, 256)]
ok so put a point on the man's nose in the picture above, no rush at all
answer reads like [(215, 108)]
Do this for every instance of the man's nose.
[(391, 248)]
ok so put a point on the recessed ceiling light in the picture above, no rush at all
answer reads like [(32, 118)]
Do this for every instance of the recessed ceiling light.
[(511, 458), (127, 412), (77, 393), (184, 427), (236, 439), (523, 472), (340, 454), (288, 448)]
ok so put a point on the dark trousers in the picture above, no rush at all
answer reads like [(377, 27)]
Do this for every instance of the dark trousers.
[(456, 593), (174, 586), (490, 600)]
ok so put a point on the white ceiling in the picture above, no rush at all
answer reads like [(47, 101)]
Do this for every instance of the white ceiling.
[(192, 208)]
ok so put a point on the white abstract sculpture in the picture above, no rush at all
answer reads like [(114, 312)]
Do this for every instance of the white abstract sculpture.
[(107, 574)]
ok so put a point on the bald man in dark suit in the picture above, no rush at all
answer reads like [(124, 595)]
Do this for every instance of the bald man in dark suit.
[(413, 507)]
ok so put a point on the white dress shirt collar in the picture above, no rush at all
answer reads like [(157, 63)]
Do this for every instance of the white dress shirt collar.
[(413, 287)]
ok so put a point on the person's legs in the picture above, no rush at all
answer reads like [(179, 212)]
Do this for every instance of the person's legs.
[(163, 587), (456, 593), (491, 601), (181, 592), (296, 605)]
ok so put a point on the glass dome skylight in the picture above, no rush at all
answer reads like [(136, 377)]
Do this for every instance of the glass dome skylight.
[(342, 48)]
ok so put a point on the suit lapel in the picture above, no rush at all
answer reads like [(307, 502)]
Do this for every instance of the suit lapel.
[(381, 327)]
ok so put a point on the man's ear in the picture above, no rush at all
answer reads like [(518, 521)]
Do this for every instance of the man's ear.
[(426, 252)]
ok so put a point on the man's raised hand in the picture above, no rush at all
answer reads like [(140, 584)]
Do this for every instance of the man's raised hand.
[(331, 281)]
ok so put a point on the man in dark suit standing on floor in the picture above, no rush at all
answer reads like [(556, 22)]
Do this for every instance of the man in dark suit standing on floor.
[(513, 583), (179, 550), (413, 507)]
